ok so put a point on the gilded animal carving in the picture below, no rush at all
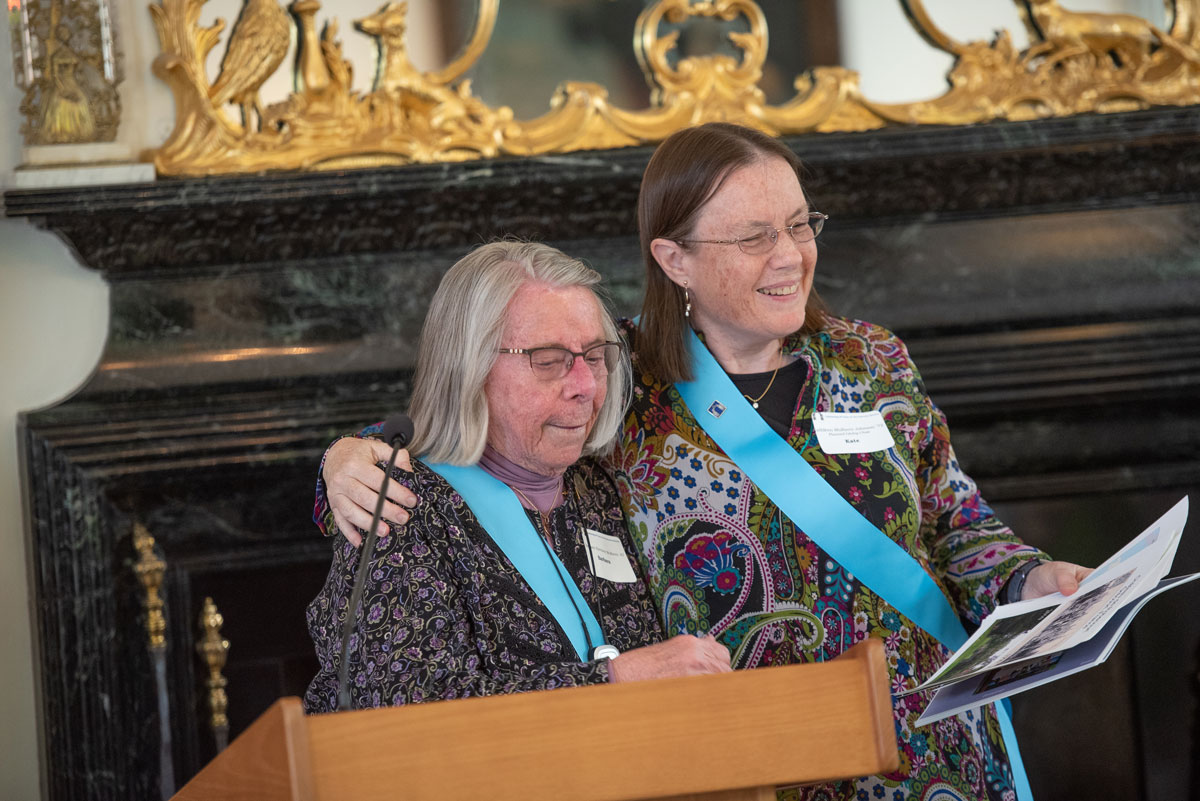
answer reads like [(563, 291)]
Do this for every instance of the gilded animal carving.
[(1126, 39), (421, 102), (257, 45), (1077, 62), (396, 72)]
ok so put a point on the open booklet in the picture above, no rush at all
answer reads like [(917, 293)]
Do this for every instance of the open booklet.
[(1024, 644)]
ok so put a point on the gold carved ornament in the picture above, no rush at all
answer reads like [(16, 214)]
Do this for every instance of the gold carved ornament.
[(214, 649), (1077, 62), (71, 72), (150, 570)]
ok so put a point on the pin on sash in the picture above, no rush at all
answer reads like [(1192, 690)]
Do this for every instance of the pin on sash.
[(716, 409)]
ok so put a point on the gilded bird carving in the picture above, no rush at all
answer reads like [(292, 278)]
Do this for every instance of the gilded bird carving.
[(257, 45)]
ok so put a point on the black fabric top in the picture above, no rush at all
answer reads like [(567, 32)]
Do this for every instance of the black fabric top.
[(778, 406)]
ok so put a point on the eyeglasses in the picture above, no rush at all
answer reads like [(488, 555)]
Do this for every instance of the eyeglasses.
[(763, 239), (554, 363)]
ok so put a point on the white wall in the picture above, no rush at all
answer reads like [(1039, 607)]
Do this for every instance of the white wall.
[(53, 320)]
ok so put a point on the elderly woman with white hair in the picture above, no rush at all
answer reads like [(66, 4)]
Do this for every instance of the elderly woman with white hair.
[(516, 571)]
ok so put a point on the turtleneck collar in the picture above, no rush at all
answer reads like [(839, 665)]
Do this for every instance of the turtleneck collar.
[(544, 491)]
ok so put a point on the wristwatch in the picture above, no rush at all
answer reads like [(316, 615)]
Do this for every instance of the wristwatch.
[(1016, 582)]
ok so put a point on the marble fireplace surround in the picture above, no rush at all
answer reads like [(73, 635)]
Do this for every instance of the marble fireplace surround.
[(1046, 276)]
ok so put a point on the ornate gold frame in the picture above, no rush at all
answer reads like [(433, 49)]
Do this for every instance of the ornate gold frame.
[(65, 62), (1078, 62)]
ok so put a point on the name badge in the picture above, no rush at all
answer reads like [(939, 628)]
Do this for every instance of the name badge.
[(852, 432), (607, 557)]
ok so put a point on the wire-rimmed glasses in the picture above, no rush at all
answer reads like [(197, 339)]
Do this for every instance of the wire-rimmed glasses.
[(763, 239), (553, 363)]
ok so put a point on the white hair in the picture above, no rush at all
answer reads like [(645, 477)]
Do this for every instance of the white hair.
[(461, 339)]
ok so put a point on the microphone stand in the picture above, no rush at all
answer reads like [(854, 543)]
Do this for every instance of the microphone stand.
[(360, 576)]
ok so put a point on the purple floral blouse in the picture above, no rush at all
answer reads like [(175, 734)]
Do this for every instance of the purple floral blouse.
[(446, 615)]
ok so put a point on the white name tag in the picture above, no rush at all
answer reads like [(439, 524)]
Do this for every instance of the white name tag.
[(852, 432), (607, 557)]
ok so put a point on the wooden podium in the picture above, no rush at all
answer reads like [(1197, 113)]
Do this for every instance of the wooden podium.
[(718, 738)]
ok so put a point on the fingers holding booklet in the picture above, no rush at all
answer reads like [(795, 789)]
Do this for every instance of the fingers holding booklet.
[(1051, 577), (1031, 642)]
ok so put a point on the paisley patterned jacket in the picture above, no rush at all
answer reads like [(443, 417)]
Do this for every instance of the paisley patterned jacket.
[(722, 558)]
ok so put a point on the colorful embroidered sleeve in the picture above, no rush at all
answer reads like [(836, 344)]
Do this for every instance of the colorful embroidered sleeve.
[(322, 512), (971, 550)]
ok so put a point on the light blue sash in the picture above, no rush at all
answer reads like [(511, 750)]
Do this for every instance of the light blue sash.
[(825, 516), (504, 519)]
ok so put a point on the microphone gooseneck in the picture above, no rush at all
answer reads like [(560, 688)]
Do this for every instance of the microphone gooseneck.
[(397, 431)]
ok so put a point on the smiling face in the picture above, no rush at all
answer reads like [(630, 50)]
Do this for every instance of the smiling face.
[(745, 303), (542, 425)]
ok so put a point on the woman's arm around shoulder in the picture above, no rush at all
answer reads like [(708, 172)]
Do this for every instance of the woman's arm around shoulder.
[(348, 483)]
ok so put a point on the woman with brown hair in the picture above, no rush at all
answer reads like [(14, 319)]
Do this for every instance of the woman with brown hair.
[(789, 486)]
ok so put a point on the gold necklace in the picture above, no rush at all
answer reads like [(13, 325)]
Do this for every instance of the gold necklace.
[(545, 516), (771, 383)]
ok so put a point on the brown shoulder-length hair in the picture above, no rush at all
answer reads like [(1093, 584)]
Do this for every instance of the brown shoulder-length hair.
[(684, 173)]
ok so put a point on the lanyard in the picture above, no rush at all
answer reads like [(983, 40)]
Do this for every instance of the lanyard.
[(824, 515), (505, 521)]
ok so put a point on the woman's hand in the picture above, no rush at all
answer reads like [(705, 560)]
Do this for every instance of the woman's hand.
[(352, 480), (684, 655), (1051, 577)]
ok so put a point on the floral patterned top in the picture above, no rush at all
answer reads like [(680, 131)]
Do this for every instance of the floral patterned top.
[(722, 558), (446, 615)]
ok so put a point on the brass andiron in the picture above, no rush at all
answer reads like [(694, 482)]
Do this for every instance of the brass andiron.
[(1077, 62), (150, 570), (215, 649)]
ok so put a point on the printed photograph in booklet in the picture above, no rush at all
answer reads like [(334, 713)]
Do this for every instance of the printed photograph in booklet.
[(1025, 644)]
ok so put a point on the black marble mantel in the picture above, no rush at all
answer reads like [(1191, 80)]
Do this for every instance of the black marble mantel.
[(1046, 276)]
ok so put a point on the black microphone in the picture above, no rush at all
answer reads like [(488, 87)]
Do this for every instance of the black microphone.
[(397, 431)]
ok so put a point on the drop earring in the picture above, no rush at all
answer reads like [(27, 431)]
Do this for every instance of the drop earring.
[(687, 301)]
